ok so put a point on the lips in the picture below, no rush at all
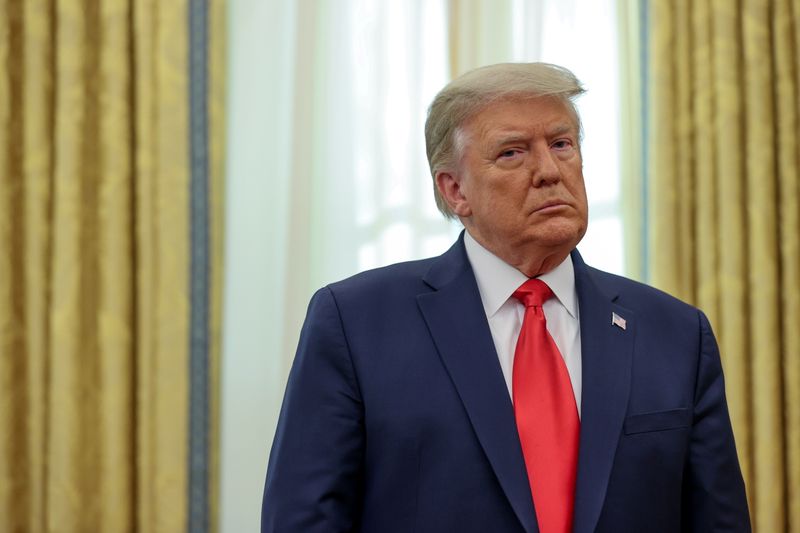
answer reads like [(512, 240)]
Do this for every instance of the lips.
[(551, 205)]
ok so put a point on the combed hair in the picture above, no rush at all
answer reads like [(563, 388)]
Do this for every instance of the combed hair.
[(470, 93)]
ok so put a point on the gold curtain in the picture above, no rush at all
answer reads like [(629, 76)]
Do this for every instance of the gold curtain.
[(724, 189), (95, 264)]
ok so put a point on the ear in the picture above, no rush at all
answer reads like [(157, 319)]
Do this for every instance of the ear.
[(449, 186)]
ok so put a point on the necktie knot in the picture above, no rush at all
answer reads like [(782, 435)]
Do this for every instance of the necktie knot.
[(533, 293)]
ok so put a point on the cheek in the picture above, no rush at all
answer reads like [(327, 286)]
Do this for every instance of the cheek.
[(581, 194), (575, 184), (502, 192)]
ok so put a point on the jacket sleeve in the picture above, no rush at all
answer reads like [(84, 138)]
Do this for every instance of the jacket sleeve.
[(315, 472), (714, 494)]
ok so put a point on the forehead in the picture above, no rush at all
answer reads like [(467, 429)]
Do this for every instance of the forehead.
[(529, 117)]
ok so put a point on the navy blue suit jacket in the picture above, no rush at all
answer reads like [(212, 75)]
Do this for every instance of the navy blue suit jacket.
[(397, 418)]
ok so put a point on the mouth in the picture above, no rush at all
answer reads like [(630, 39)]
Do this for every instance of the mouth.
[(551, 206)]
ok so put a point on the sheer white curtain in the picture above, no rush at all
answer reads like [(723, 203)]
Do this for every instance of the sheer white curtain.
[(327, 173)]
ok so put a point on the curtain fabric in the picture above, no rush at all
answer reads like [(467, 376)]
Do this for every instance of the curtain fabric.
[(95, 265), (725, 225)]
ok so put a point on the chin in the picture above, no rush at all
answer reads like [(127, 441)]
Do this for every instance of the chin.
[(557, 236)]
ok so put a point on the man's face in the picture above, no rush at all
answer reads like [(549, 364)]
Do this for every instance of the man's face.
[(518, 185)]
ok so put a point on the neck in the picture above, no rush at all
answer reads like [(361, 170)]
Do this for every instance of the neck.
[(531, 260), (533, 267)]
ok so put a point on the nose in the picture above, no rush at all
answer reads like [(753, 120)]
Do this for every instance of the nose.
[(546, 171)]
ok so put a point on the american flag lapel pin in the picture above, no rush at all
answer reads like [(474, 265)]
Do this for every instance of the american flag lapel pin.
[(617, 320)]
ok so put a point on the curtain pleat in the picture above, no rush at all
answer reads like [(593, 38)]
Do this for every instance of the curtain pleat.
[(786, 43), (90, 393), (95, 264), (162, 232), (725, 91), (26, 160)]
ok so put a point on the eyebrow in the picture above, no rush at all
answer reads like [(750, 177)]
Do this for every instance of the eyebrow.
[(561, 129), (509, 138)]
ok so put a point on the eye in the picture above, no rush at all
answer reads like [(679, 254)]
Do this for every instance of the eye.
[(509, 154), (562, 144)]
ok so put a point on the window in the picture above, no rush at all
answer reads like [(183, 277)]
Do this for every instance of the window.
[(327, 173)]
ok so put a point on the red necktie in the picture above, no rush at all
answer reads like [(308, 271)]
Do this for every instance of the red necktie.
[(547, 418)]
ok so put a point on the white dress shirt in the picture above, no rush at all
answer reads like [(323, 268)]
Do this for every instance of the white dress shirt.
[(497, 281)]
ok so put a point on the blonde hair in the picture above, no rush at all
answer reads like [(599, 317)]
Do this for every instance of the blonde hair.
[(468, 94)]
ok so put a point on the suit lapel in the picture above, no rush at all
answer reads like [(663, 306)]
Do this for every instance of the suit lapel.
[(606, 352), (455, 317)]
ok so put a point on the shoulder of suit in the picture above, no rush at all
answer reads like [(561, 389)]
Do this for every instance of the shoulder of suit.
[(385, 279), (635, 291)]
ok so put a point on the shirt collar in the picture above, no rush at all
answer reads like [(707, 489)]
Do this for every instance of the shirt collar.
[(497, 280)]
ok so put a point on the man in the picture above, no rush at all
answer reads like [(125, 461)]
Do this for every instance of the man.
[(505, 385)]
